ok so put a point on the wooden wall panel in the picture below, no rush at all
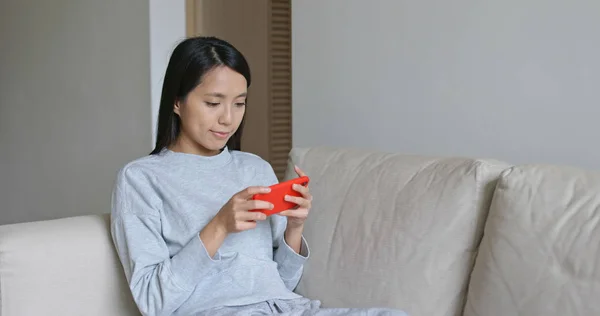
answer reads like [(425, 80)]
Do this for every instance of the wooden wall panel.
[(280, 60)]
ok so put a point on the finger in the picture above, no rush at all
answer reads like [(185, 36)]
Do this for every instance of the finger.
[(299, 171), (297, 213), (250, 191), (251, 216), (302, 202), (246, 226), (305, 191), (300, 189), (258, 205)]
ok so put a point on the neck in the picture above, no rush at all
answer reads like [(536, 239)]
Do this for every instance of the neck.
[(188, 146)]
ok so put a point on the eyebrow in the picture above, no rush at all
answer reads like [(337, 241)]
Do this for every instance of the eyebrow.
[(221, 95)]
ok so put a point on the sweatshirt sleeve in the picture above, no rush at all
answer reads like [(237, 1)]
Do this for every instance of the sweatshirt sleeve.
[(290, 264), (159, 283)]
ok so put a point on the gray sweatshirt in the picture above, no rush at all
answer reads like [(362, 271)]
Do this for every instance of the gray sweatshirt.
[(160, 204)]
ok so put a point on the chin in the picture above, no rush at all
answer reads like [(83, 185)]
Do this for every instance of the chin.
[(216, 146), (209, 146)]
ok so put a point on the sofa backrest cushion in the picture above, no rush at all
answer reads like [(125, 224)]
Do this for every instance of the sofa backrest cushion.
[(540, 254), (393, 230), (64, 267)]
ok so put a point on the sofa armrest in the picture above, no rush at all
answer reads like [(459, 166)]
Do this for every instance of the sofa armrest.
[(62, 267)]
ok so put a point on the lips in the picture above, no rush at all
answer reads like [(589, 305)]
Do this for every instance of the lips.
[(220, 134)]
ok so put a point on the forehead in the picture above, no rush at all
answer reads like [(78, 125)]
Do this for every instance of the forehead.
[(223, 80)]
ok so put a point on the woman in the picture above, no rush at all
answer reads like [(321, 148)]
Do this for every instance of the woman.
[(180, 220)]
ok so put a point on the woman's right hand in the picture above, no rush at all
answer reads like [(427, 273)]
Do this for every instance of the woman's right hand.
[(235, 215)]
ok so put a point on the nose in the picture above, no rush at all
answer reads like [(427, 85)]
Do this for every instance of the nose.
[(226, 116)]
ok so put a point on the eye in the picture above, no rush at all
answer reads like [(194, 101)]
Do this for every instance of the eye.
[(240, 104), (211, 104)]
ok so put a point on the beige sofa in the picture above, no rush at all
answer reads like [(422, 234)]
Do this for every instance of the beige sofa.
[(432, 236)]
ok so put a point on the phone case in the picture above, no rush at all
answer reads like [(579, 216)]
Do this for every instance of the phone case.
[(278, 193)]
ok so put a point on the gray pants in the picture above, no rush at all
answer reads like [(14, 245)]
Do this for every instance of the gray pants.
[(298, 307)]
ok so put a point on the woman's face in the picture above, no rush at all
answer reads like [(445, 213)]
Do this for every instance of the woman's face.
[(211, 113)]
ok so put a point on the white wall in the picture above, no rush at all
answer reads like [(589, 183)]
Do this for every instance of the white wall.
[(74, 103), (513, 80), (167, 28)]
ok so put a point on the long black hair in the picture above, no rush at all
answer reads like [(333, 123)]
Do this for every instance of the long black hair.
[(189, 62)]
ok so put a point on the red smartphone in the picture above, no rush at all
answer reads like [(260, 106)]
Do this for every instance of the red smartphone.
[(278, 193)]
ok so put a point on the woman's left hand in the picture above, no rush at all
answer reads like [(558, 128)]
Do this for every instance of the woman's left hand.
[(296, 216)]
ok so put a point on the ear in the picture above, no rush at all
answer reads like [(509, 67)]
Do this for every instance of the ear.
[(177, 107)]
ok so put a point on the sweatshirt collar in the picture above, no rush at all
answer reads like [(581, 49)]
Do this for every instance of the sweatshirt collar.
[(204, 162)]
